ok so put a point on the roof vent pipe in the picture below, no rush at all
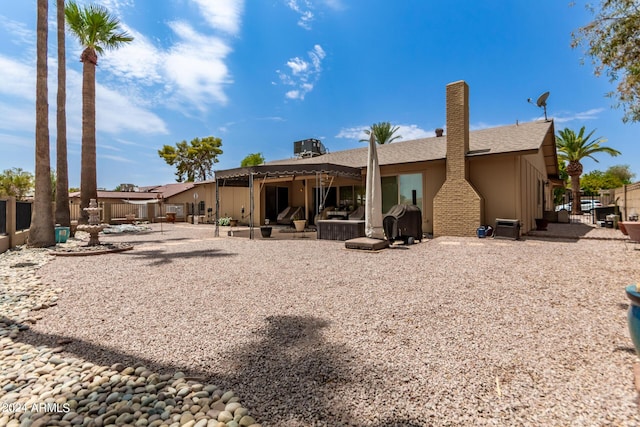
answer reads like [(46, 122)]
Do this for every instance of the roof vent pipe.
[(439, 132)]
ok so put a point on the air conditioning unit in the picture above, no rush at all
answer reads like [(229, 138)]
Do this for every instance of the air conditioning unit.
[(308, 148)]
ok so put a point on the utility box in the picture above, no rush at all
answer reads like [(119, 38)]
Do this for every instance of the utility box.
[(507, 229)]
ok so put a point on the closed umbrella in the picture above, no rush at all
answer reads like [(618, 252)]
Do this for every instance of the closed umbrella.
[(373, 194)]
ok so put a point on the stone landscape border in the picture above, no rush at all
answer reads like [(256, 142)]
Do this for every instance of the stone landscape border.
[(92, 250)]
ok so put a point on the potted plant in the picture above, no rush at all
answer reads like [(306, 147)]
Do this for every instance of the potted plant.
[(233, 222), (265, 231), (541, 224), (299, 224)]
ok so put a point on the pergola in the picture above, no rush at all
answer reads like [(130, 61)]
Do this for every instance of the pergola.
[(245, 177)]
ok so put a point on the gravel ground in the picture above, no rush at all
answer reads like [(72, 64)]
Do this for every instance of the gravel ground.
[(451, 331)]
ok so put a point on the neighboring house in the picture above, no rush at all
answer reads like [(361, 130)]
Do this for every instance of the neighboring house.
[(460, 180), (114, 202)]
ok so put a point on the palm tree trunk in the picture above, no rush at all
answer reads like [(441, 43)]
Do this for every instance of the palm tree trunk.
[(41, 233), (575, 190), (88, 176), (63, 216)]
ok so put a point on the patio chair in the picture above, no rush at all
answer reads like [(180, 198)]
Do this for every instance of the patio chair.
[(358, 214), (287, 216)]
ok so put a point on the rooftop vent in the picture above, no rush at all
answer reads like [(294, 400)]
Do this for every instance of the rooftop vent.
[(308, 148)]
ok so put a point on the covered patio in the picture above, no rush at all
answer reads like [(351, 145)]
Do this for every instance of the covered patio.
[(309, 186)]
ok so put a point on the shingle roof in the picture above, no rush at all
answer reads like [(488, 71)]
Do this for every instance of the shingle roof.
[(143, 193), (504, 139)]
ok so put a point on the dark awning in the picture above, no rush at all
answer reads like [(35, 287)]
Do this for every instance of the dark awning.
[(240, 176)]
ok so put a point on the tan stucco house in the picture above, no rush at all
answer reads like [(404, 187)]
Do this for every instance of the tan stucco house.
[(152, 202), (460, 180)]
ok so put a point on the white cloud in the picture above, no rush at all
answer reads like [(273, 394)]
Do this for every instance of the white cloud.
[(196, 67), (406, 132), (115, 114), (483, 125), (18, 117), (6, 138), (115, 6), (294, 94), (303, 74), (139, 60), (223, 15), (19, 32), (409, 132), (297, 65), (591, 114), (302, 8), (18, 79), (192, 73), (127, 142), (116, 158), (356, 133)]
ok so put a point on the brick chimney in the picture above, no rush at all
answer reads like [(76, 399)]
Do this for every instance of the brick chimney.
[(458, 207)]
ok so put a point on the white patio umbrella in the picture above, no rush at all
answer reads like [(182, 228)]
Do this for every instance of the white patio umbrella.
[(373, 194)]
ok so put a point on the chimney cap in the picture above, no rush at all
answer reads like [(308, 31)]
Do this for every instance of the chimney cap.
[(439, 132)]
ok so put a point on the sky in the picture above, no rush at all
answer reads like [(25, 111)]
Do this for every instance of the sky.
[(261, 74)]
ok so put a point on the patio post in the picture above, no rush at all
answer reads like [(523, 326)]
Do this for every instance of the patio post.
[(217, 232), (306, 200), (251, 205)]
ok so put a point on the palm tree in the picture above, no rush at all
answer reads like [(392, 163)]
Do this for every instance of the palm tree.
[(383, 133), (97, 31), (41, 232), (573, 148), (63, 216)]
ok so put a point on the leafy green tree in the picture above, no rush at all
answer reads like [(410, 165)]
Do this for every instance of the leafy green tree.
[(558, 192), (96, 30), (41, 232), (611, 40), (253, 159), (16, 183), (194, 160), (613, 177), (622, 173), (63, 215), (596, 180), (54, 185), (574, 147), (383, 133)]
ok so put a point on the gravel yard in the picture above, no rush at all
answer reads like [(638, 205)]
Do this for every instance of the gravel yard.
[(451, 331)]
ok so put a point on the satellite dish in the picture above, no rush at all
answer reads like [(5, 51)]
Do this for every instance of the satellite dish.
[(542, 103), (542, 100)]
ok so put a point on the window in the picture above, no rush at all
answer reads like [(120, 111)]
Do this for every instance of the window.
[(401, 189), (346, 198), (389, 192), (411, 189), (360, 192)]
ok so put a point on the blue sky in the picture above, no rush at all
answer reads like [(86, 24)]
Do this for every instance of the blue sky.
[(261, 74)]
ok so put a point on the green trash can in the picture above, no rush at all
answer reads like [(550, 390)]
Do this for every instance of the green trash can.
[(62, 234)]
